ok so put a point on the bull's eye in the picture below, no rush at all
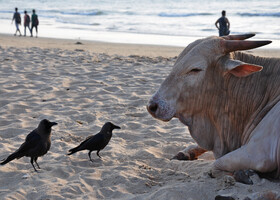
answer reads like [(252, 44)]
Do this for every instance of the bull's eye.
[(195, 70)]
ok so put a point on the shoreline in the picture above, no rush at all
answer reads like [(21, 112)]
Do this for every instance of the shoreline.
[(122, 49), (92, 46)]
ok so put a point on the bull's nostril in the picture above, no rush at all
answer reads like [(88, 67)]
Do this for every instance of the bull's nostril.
[(153, 107)]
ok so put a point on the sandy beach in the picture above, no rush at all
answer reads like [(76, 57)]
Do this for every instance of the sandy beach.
[(81, 85)]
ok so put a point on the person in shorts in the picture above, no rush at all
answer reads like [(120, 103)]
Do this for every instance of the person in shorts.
[(17, 19)]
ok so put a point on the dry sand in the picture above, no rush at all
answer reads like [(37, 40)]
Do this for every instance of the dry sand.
[(81, 87)]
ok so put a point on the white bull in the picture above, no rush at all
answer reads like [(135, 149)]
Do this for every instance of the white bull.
[(230, 102)]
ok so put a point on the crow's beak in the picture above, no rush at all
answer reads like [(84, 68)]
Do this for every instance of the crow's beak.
[(117, 127), (53, 123)]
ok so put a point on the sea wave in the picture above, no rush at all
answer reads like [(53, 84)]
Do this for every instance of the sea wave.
[(6, 11), (182, 14), (275, 14), (75, 22), (85, 13)]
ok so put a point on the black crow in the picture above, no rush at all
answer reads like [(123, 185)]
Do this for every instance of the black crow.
[(96, 142), (37, 143)]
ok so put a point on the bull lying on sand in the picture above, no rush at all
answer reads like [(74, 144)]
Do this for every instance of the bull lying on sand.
[(230, 102)]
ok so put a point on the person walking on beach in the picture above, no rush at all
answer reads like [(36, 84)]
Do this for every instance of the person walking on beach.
[(224, 24), (17, 19), (35, 23), (26, 22)]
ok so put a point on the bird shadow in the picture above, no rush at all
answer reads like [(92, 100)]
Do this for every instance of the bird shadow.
[(96, 162)]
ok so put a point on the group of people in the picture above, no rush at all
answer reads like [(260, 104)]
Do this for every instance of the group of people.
[(222, 23), (34, 22)]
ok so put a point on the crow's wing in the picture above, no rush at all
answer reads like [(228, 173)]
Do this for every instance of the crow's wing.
[(95, 142), (31, 142), (86, 140), (30, 145)]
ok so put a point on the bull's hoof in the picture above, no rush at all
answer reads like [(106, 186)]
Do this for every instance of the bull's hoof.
[(183, 156), (219, 197), (243, 176)]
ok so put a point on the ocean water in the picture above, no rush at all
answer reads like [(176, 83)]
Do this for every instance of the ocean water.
[(165, 22)]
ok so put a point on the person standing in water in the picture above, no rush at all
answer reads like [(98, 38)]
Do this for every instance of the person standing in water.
[(35, 23), (224, 24), (17, 19)]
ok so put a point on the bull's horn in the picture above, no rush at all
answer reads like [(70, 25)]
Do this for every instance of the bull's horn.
[(233, 45), (239, 37)]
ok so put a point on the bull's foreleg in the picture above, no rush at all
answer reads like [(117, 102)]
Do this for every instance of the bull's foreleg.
[(190, 153), (238, 162)]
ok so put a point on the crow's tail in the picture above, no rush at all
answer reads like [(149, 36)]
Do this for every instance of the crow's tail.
[(10, 158), (74, 150)]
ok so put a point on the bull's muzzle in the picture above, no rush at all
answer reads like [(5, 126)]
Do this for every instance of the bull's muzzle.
[(160, 109)]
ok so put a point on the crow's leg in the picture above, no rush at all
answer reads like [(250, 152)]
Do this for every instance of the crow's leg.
[(31, 161), (97, 153), (35, 160), (89, 155)]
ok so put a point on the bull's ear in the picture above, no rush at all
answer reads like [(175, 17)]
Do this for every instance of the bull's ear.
[(241, 69)]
